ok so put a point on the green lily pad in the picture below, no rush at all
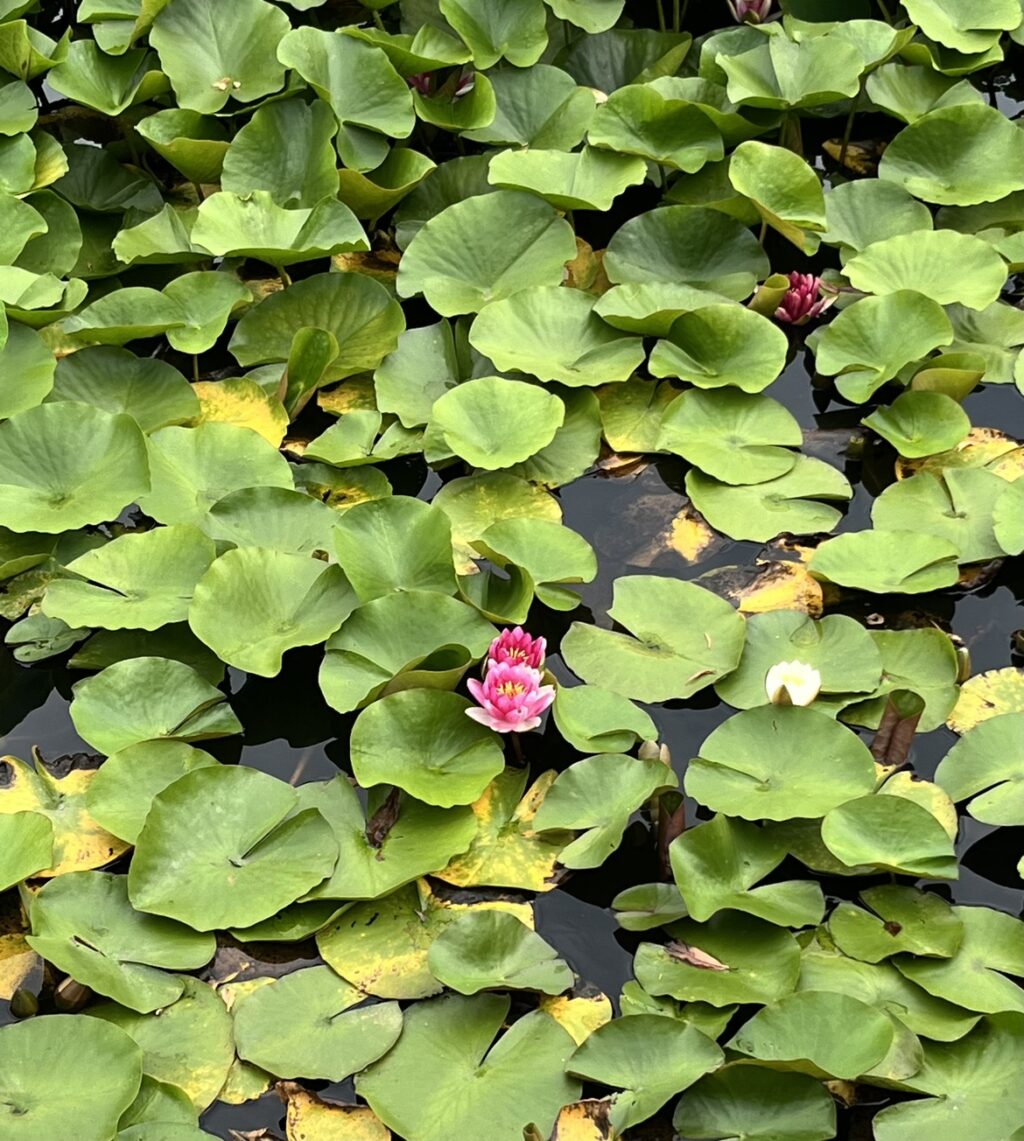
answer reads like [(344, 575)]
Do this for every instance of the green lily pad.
[(760, 511), (108, 84), (941, 264), (819, 1033), (892, 834), (120, 795), (146, 699), (65, 465), (83, 924), (838, 647), (686, 638), (720, 345), (194, 468), (868, 210), (651, 307), (253, 605), (455, 262), (217, 874), (395, 543), (764, 764), (967, 32), (871, 341), (34, 1085), (649, 1057), (537, 107), (887, 562), (212, 54), (910, 92), (987, 766), (904, 920), (596, 720), (780, 73), (921, 423), (553, 334), (757, 1105), (126, 315), (482, 1088), (26, 358), (717, 864), (785, 190), (383, 848), (511, 29), (731, 958), (357, 311), (303, 1025), (1006, 519), (687, 245), (272, 517), (733, 436), (957, 156), (597, 796), (138, 581), (956, 506), (187, 1044), (374, 193), (422, 741), (194, 144), (588, 180), (488, 950)]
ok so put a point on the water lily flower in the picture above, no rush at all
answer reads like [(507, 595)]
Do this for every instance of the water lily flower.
[(792, 683), (517, 647), (750, 11), (511, 698), (807, 297), (422, 82)]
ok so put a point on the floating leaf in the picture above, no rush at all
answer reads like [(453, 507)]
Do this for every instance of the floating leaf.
[(1006, 518), (891, 833), (511, 29), (589, 180), (195, 144), (887, 562), (785, 190), (904, 919), (536, 107), (26, 359), (988, 760), (868, 210), (921, 423), (596, 720), (988, 695), (27, 839), (781, 73)]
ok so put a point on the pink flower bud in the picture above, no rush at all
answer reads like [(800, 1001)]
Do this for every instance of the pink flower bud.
[(517, 647), (806, 298), (421, 82), (510, 698), (750, 11)]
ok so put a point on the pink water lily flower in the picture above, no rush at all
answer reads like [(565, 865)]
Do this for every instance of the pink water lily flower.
[(750, 11), (511, 698), (806, 298), (517, 647)]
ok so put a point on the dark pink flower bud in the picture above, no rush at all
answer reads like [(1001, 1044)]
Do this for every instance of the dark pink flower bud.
[(420, 82), (518, 648), (805, 299), (750, 11)]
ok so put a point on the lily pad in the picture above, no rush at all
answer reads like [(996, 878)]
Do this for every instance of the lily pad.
[(27, 839), (988, 695), (904, 919), (249, 859), (1006, 519), (785, 190), (887, 562), (685, 639), (987, 765), (921, 423), (596, 720), (588, 180), (892, 834)]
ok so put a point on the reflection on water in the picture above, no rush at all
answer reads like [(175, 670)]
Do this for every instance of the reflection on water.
[(292, 734)]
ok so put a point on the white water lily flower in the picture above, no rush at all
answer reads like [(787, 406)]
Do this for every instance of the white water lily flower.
[(792, 683)]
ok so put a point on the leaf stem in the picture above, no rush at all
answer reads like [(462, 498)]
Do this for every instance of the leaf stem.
[(662, 26), (517, 748), (849, 124), (378, 20), (885, 11), (283, 274), (677, 15), (195, 367)]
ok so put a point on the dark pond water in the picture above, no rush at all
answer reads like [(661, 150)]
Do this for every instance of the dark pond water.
[(292, 734)]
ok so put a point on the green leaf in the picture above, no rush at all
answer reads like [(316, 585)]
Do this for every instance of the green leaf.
[(761, 511), (957, 156), (591, 15), (761, 961), (83, 924), (195, 467), (763, 764), (656, 121), (588, 180), (453, 181), (869, 210), (595, 720), (494, 423), (255, 604), (108, 84), (397, 543), (138, 581), (208, 300), (383, 848), (27, 839), (297, 138), (717, 864), (785, 190), (920, 423), (225, 847), (892, 834), (126, 315), (482, 1088), (458, 265), (780, 73), (36, 1080), (370, 100), (458, 113), (553, 334), (956, 506), (357, 311), (972, 31), (374, 193), (192, 143), (26, 371), (66, 465), (619, 56), (143, 699), (839, 648), (429, 49), (887, 562), (687, 245), (987, 765), (422, 741), (943, 265), (909, 92), (597, 796), (499, 29), (734, 436), (904, 919), (272, 517), (818, 1033), (302, 1026), (757, 1105), (685, 639), (489, 950), (539, 106), (212, 54), (649, 1057), (575, 446), (254, 225)]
